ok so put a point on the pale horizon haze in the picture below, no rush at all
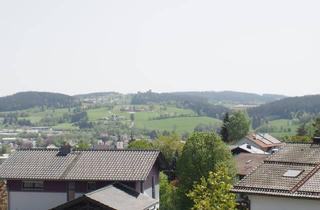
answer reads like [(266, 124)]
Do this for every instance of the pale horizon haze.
[(82, 46)]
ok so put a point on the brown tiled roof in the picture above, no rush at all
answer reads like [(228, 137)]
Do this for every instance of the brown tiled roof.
[(113, 165), (298, 153), (264, 140), (269, 179), (246, 162)]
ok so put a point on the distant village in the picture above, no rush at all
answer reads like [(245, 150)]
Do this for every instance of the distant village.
[(248, 153), (101, 166)]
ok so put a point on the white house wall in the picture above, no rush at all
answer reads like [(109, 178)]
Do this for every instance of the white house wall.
[(35, 200), (282, 203), (247, 141), (148, 191)]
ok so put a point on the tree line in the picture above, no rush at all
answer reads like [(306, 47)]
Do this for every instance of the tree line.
[(198, 104), (286, 108), (26, 100)]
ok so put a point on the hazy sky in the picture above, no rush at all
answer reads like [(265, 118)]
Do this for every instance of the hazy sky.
[(79, 46)]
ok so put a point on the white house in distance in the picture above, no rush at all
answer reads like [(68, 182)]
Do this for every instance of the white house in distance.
[(263, 141), (286, 180), (246, 148)]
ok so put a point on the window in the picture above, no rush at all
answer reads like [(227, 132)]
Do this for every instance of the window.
[(32, 185), (91, 186), (292, 173)]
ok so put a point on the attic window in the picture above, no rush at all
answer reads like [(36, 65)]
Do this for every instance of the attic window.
[(32, 185), (292, 173)]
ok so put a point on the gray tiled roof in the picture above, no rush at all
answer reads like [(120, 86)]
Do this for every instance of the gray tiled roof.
[(122, 198), (268, 178), (116, 196), (298, 153), (113, 165)]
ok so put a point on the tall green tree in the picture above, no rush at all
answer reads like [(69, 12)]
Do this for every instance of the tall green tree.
[(203, 152), (82, 144), (213, 193), (167, 194), (132, 117), (140, 144), (238, 126), (302, 131), (316, 126), (224, 129), (170, 146)]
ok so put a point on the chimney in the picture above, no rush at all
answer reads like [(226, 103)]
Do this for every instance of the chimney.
[(248, 146), (316, 140), (64, 150)]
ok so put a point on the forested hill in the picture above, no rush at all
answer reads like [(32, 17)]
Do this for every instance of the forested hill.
[(95, 95), (198, 104), (232, 97), (26, 100), (287, 107)]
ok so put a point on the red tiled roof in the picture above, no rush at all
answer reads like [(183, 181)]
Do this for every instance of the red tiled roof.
[(264, 140)]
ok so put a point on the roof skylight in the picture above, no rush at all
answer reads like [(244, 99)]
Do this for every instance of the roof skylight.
[(292, 173)]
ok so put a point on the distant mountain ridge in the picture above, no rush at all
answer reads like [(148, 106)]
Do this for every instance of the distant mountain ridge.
[(30, 99), (234, 97), (202, 102), (95, 94), (286, 107), (231, 97)]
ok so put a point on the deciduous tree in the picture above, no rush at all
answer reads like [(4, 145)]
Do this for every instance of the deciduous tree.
[(140, 144), (238, 126), (203, 152), (213, 193), (167, 194)]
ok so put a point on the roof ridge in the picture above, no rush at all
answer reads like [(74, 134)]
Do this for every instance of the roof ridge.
[(305, 179), (273, 192), (289, 163), (38, 149), (146, 150), (79, 150)]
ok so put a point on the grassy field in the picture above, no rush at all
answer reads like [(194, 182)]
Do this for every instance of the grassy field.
[(180, 120), (180, 124), (35, 115), (154, 117), (97, 114), (65, 126), (280, 128), (157, 111)]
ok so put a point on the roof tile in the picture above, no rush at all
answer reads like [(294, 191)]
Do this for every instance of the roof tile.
[(113, 165)]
